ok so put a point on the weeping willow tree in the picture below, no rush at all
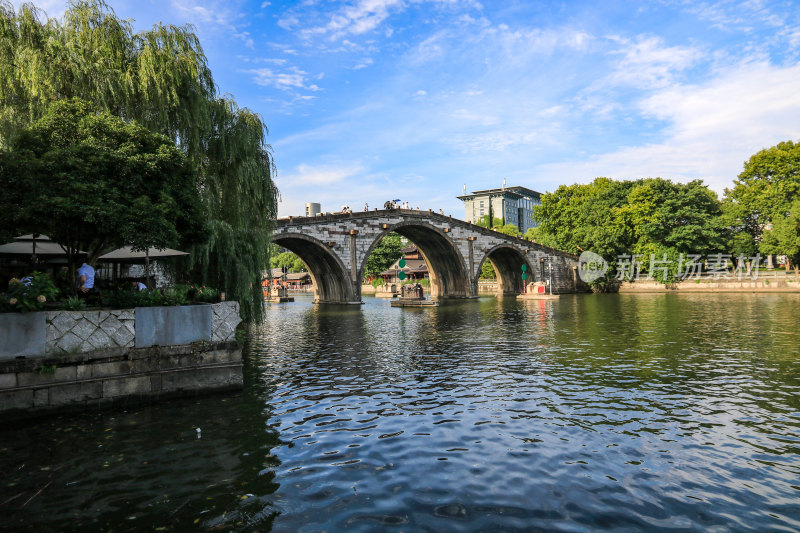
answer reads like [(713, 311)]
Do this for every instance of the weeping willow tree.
[(161, 79)]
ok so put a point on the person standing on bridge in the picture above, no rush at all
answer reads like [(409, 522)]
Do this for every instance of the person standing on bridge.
[(366, 207)]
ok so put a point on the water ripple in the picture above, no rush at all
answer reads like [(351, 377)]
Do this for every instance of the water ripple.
[(607, 412)]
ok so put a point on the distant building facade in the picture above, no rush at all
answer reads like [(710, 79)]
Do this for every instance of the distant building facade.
[(512, 205)]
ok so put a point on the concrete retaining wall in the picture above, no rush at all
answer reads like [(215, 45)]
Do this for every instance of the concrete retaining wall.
[(22, 334), (166, 326)]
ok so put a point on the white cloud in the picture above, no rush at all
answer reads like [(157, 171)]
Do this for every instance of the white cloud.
[(647, 63), (474, 117), (499, 46), (290, 79), (364, 16), (305, 175), (713, 127), (364, 63), (357, 19), (216, 12), (53, 8), (325, 184)]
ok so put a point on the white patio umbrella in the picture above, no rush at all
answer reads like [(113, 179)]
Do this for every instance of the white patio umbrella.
[(127, 255), (28, 245)]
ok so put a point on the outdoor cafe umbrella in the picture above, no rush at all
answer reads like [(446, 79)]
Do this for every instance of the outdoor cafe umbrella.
[(28, 245), (127, 255)]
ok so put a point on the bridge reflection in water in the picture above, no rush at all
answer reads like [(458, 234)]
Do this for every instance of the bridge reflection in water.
[(336, 248)]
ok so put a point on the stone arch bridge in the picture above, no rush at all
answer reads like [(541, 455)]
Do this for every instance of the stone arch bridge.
[(336, 247)]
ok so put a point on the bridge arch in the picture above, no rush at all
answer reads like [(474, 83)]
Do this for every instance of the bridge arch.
[(449, 277), (331, 280), (507, 261)]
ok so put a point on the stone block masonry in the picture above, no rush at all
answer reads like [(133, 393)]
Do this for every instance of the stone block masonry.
[(32, 386), (84, 331)]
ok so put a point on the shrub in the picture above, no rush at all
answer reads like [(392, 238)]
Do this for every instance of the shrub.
[(149, 298), (29, 294), (204, 294), (127, 298), (176, 295), (123, 298), (73, 303)]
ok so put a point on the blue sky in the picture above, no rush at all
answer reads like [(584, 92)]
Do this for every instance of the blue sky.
[(368, 100)]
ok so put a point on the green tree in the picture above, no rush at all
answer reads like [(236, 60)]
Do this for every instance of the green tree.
[(584, 217), (653, 216), (686, 217), (159, 78), (94, 182), (766, 188), (298, 265), (289, 260), (741, 241), (484, 222), (385, 253), (487, 271), (510, 230), (783, 238)]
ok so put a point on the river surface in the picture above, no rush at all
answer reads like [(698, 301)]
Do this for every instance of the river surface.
[(594, 412)]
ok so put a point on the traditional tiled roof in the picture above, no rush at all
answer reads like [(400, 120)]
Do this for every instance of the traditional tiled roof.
[(413, 266)]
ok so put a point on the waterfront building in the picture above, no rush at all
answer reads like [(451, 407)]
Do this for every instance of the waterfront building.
[(512, 205), (416, 268)]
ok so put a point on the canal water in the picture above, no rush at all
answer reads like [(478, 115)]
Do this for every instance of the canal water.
[(594, 412)]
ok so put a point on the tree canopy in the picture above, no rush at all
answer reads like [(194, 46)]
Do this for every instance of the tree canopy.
[(765, 189), (160, 78), (385, 253), (94, 182), (484, 222), (647, 216), (289, 260), (784, 235)]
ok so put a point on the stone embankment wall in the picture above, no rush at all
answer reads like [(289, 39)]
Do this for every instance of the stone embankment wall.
[(70, 359), (767, 283), (487, 286)]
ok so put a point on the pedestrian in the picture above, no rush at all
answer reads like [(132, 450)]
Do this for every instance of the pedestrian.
[(366, 207), (85, 280)]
